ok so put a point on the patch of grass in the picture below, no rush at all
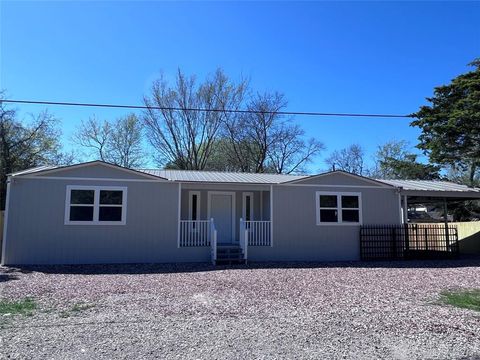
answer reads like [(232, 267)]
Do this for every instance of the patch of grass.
[(76, 308), (81, 307), (23, 307), (465, 299)]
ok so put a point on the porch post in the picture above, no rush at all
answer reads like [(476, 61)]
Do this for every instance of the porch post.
[(271, 215), (179, 213), (445, 217), (405, 209), (261, 205)]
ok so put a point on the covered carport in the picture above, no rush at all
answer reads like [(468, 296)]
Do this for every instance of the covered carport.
[(438, 238), (423, 192)]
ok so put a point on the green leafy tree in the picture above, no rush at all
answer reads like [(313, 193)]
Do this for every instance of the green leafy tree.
[(408, 168), (25, 144), (451, 123), (393, 160)]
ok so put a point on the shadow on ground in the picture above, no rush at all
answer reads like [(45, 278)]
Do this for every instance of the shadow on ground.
[(201, 267)]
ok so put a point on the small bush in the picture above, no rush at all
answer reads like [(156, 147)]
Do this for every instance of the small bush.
[(466, 299)]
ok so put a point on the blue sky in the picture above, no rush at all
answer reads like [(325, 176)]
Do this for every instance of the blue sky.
[(374, 57)]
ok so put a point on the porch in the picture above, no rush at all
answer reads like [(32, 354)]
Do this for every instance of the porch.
[(225, 218)]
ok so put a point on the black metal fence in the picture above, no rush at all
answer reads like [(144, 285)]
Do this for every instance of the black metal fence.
[(409, 241)]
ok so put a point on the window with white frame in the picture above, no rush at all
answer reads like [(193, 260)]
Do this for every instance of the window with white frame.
[(95, 205), (338, 208), (247, 211), (194, 205)]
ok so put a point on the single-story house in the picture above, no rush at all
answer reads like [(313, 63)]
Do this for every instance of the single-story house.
[(97, 212)]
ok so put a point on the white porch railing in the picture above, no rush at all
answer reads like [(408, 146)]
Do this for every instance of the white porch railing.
[(195, 232), (244, 239), (259, 233), (213, 241)]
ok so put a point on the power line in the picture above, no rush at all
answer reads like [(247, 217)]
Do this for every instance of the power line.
[(118, 106)]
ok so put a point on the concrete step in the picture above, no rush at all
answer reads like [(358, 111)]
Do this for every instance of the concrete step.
[(229, 256), (229, 251), (230, 262)]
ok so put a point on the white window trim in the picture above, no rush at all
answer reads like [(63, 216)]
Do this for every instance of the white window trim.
[(96, 205), (338, 208), (190, 201), (244, 206)]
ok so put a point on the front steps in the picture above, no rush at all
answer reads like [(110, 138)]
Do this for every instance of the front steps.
[(229, 255)]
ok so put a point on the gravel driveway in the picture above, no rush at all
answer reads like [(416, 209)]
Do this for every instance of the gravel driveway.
[(336, 310)]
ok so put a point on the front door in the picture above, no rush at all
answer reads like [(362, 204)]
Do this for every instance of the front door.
[(221, 210)]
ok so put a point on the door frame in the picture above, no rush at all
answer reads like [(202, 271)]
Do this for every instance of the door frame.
[(209, 207)]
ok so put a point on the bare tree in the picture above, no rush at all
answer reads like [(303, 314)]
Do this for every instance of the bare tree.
[(93, 135), (264, 141), (290, 152), (124, 146), (257, 140), (118, 142), (181, 136), (350, 159)]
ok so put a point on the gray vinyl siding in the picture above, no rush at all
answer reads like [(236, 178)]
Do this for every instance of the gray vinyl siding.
[(37, 234), (296, 237)]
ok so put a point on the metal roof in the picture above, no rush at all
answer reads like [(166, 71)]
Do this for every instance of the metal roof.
[(252, 178), (33, 170), (430, 185), (221, 177)]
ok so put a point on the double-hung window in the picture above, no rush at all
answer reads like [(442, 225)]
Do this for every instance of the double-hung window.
[(247, 211), (194, 205), (194, 209), (96, 205), (338, 208)]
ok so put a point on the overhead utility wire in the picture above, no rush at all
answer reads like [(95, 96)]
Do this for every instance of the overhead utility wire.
[(303, 113)]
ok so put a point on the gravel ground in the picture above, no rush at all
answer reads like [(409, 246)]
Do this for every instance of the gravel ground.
[(335, 310)]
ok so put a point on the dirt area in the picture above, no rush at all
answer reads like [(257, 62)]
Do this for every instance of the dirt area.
[(327, 310)]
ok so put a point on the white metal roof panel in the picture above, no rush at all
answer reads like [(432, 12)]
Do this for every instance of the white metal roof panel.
[(430, 185), (33, 170), (221, 177)]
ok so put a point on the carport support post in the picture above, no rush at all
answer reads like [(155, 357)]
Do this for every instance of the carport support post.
[(405, 224), (445, 216), (405, 210)]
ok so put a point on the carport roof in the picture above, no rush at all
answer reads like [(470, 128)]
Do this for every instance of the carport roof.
[(430, 185)]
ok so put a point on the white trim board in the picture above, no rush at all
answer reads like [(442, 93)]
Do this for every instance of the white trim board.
[(341, 186), (77, 178), (233, 195), (5, 224), (92, 163), (179, 213), (358, 177), (271, 216)]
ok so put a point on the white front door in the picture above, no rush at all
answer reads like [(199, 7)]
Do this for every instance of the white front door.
[(221, 210)]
